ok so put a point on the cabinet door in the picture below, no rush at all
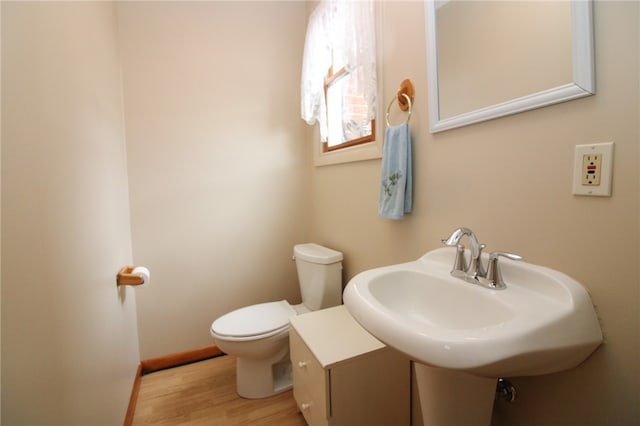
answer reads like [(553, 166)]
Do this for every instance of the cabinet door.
[(371, 390), (309, 382)]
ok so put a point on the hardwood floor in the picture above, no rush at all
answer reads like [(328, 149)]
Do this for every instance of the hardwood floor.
[(203, 393)]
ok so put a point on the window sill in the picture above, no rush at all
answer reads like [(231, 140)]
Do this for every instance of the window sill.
[(365, 151), (361, 152)]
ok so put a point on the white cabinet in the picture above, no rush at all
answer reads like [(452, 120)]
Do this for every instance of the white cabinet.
[(342, 375)]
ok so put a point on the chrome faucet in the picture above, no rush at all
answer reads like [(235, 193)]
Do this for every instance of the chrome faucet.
[(474, 268), (474, 271)]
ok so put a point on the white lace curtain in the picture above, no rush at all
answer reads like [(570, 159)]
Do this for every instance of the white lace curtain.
[(346, 28)]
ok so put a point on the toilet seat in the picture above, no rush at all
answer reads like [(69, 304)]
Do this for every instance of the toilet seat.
[(254, 322)]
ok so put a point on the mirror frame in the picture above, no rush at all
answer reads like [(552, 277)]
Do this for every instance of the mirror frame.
[(583, 74)]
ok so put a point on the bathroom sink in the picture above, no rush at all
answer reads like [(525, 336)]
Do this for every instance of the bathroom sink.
[(543, 322)]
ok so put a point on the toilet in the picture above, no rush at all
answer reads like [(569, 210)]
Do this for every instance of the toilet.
[(258, 335)]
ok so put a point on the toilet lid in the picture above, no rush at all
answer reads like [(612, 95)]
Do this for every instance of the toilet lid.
[(254, 320)]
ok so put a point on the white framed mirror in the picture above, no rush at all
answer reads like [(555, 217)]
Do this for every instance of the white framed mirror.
[(488, 59)]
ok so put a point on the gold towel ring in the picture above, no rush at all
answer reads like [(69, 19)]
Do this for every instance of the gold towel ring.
[(410, 107)]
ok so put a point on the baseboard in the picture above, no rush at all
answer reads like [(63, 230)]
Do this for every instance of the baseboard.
[(174, 360), (162, 363), (133, 399)]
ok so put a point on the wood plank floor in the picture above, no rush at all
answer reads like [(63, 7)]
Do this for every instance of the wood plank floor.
[(203, 393)]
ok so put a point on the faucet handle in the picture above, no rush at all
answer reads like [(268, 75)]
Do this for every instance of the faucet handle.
[(494, 276), (512, 256)]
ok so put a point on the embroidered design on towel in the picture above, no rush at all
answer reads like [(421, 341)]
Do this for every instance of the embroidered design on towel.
[(390, 182)]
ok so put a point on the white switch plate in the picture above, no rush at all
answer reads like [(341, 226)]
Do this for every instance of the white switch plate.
[(600, 157)]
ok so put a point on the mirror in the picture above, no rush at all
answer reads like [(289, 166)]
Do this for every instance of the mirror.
[(488, 59)]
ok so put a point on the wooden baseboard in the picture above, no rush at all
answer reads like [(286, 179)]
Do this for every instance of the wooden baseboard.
[(174, 360), (162, 363), (133, 399)]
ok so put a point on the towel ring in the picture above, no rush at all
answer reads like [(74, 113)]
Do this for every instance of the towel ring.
[(408, 103)]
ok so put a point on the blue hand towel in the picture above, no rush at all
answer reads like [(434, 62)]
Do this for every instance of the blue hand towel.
[(396, 185)]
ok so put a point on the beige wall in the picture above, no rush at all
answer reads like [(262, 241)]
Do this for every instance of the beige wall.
[(218, 169), (222, 185), (69, 337), (0, 222), (510, 180)]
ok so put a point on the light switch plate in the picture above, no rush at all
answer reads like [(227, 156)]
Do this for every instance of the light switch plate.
[(593, 169)]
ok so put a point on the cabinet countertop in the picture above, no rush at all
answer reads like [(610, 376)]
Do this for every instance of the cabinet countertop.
[(333, 335)]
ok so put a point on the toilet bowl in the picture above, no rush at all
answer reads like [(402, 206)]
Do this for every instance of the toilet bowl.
[(258, 335)]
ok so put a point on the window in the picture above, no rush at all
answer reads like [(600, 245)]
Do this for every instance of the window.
[(348, 123), (339, 84)]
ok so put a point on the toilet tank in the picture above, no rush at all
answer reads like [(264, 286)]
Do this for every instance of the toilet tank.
[(319, 275)]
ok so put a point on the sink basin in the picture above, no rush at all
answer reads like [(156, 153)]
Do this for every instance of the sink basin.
[(543, 322)]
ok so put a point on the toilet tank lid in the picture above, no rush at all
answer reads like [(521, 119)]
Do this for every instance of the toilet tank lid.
[(315, 253)]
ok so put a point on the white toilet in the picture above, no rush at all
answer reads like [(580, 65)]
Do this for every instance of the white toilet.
[(258, 335)]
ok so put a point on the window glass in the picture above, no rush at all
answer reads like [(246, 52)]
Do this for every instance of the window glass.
[(347, 122)]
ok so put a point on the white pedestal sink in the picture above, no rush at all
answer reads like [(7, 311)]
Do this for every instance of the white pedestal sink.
[(454, 398), (466, 336)]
